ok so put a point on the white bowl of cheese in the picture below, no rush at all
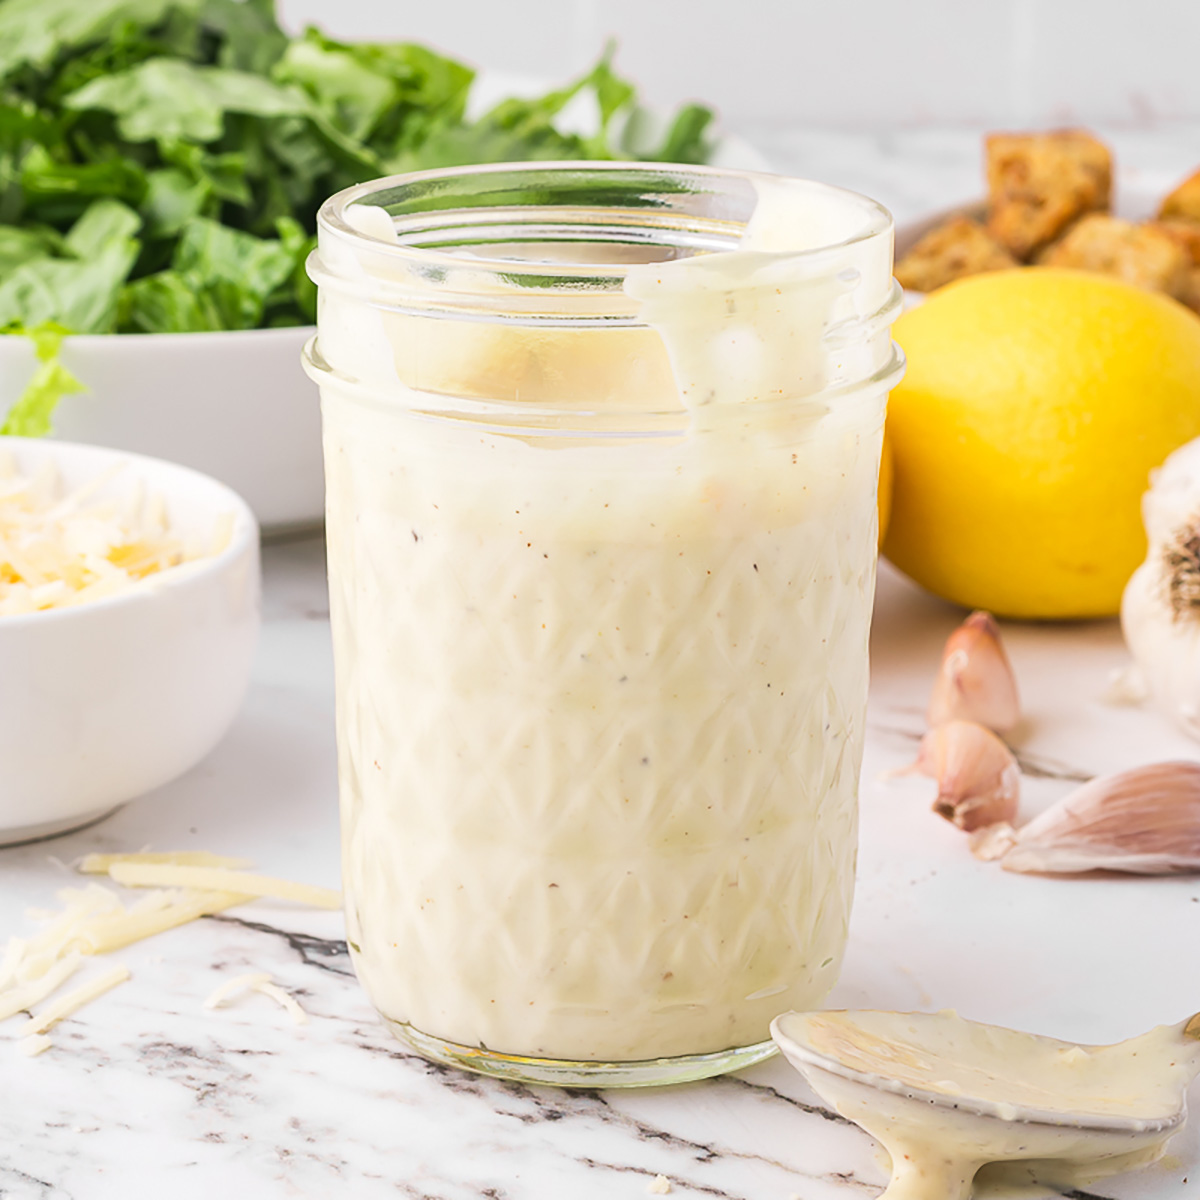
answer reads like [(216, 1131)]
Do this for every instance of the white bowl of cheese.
[(129, 615)]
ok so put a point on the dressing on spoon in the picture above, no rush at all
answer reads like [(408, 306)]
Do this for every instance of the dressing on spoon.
[(946, 1096)]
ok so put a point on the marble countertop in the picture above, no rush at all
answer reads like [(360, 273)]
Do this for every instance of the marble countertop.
[(147, 1093)]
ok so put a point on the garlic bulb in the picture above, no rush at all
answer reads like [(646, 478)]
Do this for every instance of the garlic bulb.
[(1160, 610), (977, 776), (1145, 821), (975, 681)]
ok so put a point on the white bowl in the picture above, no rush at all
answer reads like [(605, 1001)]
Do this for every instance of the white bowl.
[(236, 406), (104, 701)]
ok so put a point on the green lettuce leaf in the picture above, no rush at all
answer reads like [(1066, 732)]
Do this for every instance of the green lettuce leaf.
[(687, 139), (347, 91), (224, 175), (78, 291), (298, 292), (248, 34), (210, 252), (30, 415), (173, 198), (169, 98), (21, 243), (219, 278), (519, 129), (106, 226), (35, 32), (382, 95), (168, 302), (65, 189)]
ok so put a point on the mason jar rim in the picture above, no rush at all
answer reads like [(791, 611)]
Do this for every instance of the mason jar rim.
[(877, 220), (361, 269)]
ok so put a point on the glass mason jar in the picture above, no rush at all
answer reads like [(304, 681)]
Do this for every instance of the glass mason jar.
[(601, 448)]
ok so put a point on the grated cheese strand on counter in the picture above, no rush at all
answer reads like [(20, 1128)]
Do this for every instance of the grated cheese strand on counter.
[(103, 934), (14, 952), (79, 903), (25, 995), (289, 1002), (231, 988), (100, 864), (183, 886), (259, 981), (218, 879), (74, 1000), (34, 1045), (60, 548)]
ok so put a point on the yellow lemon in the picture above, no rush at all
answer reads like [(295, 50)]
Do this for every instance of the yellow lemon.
[(1035, 404), (885, 488)]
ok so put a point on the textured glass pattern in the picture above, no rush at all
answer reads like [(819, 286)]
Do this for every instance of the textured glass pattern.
[(599, 758)]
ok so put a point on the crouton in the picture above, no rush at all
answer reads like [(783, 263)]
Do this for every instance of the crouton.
[(1189, 294), (1185, 234), (1184, 201), (958, 248), (1038, 183), (1139, 254)]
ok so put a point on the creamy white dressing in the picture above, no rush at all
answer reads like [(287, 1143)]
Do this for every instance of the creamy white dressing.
[(947, 1097), (600, 700)]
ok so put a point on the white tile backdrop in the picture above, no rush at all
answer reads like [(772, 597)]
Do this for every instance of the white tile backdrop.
[(837, 64)]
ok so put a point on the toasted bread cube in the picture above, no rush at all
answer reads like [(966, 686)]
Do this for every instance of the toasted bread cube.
[(1184, 201), (1038, 183), (1139, 254), (1185, 234), (1190, 292), (956, 249)]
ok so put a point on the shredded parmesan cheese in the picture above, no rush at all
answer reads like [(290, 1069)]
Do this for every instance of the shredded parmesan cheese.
[(218, 879), (74, 1000), (258, 982), (100, 864), (34, 1045), (103, 934), (62, 548), (93, 920), (660, 1185), (298, 1015), (25, 995), (79, 904), (231, 987), (13, 953)]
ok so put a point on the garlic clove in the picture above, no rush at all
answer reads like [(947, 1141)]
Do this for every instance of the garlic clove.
[(1145, 821), (977, 776), (975, 681), (993, 841)]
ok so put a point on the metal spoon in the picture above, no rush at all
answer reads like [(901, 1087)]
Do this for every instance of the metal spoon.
[(947, 1097)]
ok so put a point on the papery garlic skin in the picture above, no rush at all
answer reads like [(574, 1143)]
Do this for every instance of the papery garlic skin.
[(977, 775), (1160, 608), (1145, 821), (975, 681)]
